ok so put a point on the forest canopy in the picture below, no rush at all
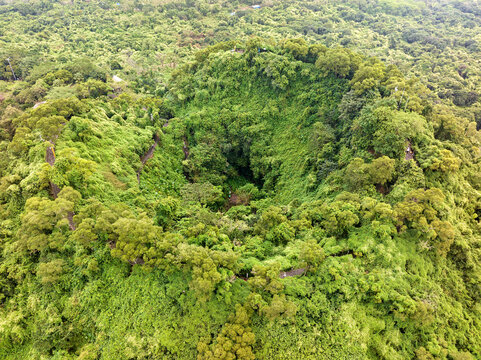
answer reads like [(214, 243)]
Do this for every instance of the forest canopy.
[(221, 180)]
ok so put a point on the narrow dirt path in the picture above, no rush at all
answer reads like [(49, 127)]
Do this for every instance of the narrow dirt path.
[(298, 271), (71, 224), (185, 148), (409, 152), (148, 155), (150, 152), (293, 272), (54, 189), (282, 274), (38, 104), (50, 159)]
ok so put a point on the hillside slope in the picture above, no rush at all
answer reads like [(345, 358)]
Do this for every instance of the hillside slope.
[(297, 204)]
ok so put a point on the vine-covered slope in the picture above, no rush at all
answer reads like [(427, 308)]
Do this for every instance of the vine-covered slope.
[(281, 200)]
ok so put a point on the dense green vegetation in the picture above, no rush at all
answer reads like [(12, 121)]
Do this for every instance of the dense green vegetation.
[(270, 196)]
